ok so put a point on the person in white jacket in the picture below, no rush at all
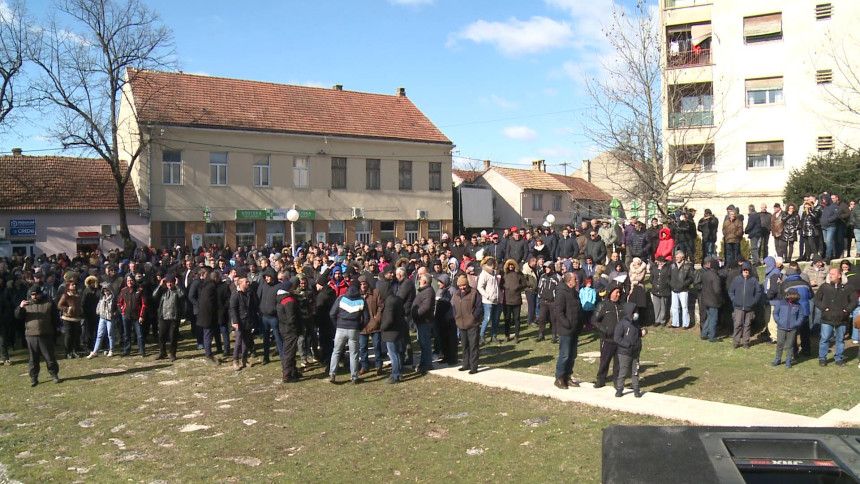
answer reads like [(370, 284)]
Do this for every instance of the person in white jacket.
[(488, 288)]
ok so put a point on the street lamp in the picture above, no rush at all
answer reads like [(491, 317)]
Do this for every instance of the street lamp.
[(550, 218), (292, 216)]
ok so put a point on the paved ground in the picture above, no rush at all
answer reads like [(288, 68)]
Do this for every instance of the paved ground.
[(697, 412)]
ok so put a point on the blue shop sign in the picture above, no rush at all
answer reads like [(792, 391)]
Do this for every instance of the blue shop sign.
[(22, 228)]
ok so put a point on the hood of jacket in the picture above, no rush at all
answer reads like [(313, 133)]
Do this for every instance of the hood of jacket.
[(354, 291), (453, 260), (629, 309), (770, 266), (665, 233), (511, 261)]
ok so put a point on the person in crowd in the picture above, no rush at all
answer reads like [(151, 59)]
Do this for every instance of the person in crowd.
[(513, 283), (569, 322), (680, 279), (606, 317), (371, 331), (744, 293), (89, 302), (446, 328), (131, 310), (776, 226), (422, 316), (628, 339), (40, 317), (530, 275), (666, 246), (794, 281), (207, 311), (772, 282), (790, 230), (289, 327), (835, 303), (267, 295), (394, 329), (468, 312), (106, 309), (488, 287), (596, 247), (711, 299), (244, 312), (810, 231), (732, 233), (753, 233), (789, 317), (349, 314), (71, 313), (546, 289), (323, 302)]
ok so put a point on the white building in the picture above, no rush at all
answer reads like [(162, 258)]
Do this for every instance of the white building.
[(750, 85)]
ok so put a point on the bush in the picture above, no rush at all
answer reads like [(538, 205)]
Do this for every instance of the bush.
[(836, 172)]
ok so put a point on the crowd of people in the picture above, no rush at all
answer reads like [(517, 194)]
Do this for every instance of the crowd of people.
[(325, 303)]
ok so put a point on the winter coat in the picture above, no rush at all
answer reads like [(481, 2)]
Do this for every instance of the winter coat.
[(708, 229), (637, 271), (516, 249), (374, 307), (753, 228), (854, 217), (542, 251), (682, 231), (588, 298), (788, 316), (513, 283), (468, 310), (425, 303), (70, 306), (393, 320), (267, 294), (733, 231), (106, 307), (795, 283), (744, 293), (829, 215), (835, 303), (606, 317), (596, 249), (772, 280), (567, 248), (667, 244), (790, 227), (609, 235), (131, 302), (809, 226), (639, 244), (660, 280), (530, 279), (39, 318), (207, 311), (244, 309), (776, 224), (488, 286), (547, 285), (712, 289), (171, 304), (628, 333), (816, 275), (568, 311), (680, 278), (350, 311)]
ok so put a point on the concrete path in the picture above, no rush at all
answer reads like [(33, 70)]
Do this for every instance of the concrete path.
[(697, 412)]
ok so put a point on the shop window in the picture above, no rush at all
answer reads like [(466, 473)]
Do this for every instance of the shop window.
[(246, 234), (214, 234)]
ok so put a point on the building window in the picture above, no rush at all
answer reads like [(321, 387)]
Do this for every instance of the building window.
[(362, 231), (764, 91), (695, 157), (372, 174), (824, 76), (171, 167), (692, 105), (336, 231), (405, 175), (386, 230), (411, 231), (214, 234), (338, 173), (434, 230), (537, 202), (172, 233), (304, 231), (823, 11), (825, 143), (261, 170), (301, 172), (689, 45), (274, 233), (218, 168), (556, 203), (246, 233), (767, 154), (763, 28), (435, 176)]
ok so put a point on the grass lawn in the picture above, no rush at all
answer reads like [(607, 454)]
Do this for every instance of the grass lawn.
[(118, 419), (677, 362)]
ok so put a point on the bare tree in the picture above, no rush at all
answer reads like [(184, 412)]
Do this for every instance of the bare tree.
[(84, 70), (839, 74), (627, 116), (14, 38)]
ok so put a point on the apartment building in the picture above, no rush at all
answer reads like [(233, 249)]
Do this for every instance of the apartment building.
[(227, 158), (748, 93)]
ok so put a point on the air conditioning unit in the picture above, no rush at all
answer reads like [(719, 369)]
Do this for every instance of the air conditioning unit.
[(422, 215), (357, 212), (527, 221), (108, 230)]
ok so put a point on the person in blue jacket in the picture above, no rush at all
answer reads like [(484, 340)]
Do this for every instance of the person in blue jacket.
[(744, 293), (789, 317)]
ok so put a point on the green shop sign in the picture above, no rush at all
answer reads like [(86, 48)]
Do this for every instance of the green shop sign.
[(273, 214)]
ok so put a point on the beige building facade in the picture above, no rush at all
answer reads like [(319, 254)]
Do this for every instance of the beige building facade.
[(233, 182), (749, 93)]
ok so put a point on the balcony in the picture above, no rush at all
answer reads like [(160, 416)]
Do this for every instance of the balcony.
[(693, 119), (690, 58)]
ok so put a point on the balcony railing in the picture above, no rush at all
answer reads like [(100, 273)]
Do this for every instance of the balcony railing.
[(690, 58), (691, 119)]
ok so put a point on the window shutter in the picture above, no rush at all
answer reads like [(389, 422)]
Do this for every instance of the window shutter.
[(823, 11), (824, 76), (764, 84), (763, 25), (765, 148), (700, 33), (825, 143)]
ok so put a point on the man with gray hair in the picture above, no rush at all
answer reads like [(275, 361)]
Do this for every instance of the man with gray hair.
[(423, 317)]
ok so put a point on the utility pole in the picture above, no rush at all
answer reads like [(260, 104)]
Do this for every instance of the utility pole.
[(565, 167)]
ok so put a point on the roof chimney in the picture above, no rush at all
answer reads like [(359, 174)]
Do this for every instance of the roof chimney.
[(401, 91), (17, 151), (542, 165), (338, 87), (536, 165), (486, 165)]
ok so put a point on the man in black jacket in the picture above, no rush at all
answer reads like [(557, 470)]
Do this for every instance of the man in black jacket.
[(836, 305), (680, 278), (422, 316), (516, 248), (708, 228), (567, 246), (660, 290), (268, 297), (568, 313), (753, 231), (711, 299), (605, 319), (244, 311)]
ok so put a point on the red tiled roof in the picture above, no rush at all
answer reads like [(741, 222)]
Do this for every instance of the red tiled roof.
[(203, 101), (467, 176), (59, 183), (541, 180)]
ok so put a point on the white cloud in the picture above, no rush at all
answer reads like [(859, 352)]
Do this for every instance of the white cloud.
[(499, 101), (550, 91), (520, 133), (410, 2), (557, 152), (516, 37)]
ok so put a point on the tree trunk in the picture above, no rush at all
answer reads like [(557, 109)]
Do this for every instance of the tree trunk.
[(128, 244)]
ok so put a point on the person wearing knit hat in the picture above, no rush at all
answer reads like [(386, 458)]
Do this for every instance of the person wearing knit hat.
[(37, 313), (468, 313)]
